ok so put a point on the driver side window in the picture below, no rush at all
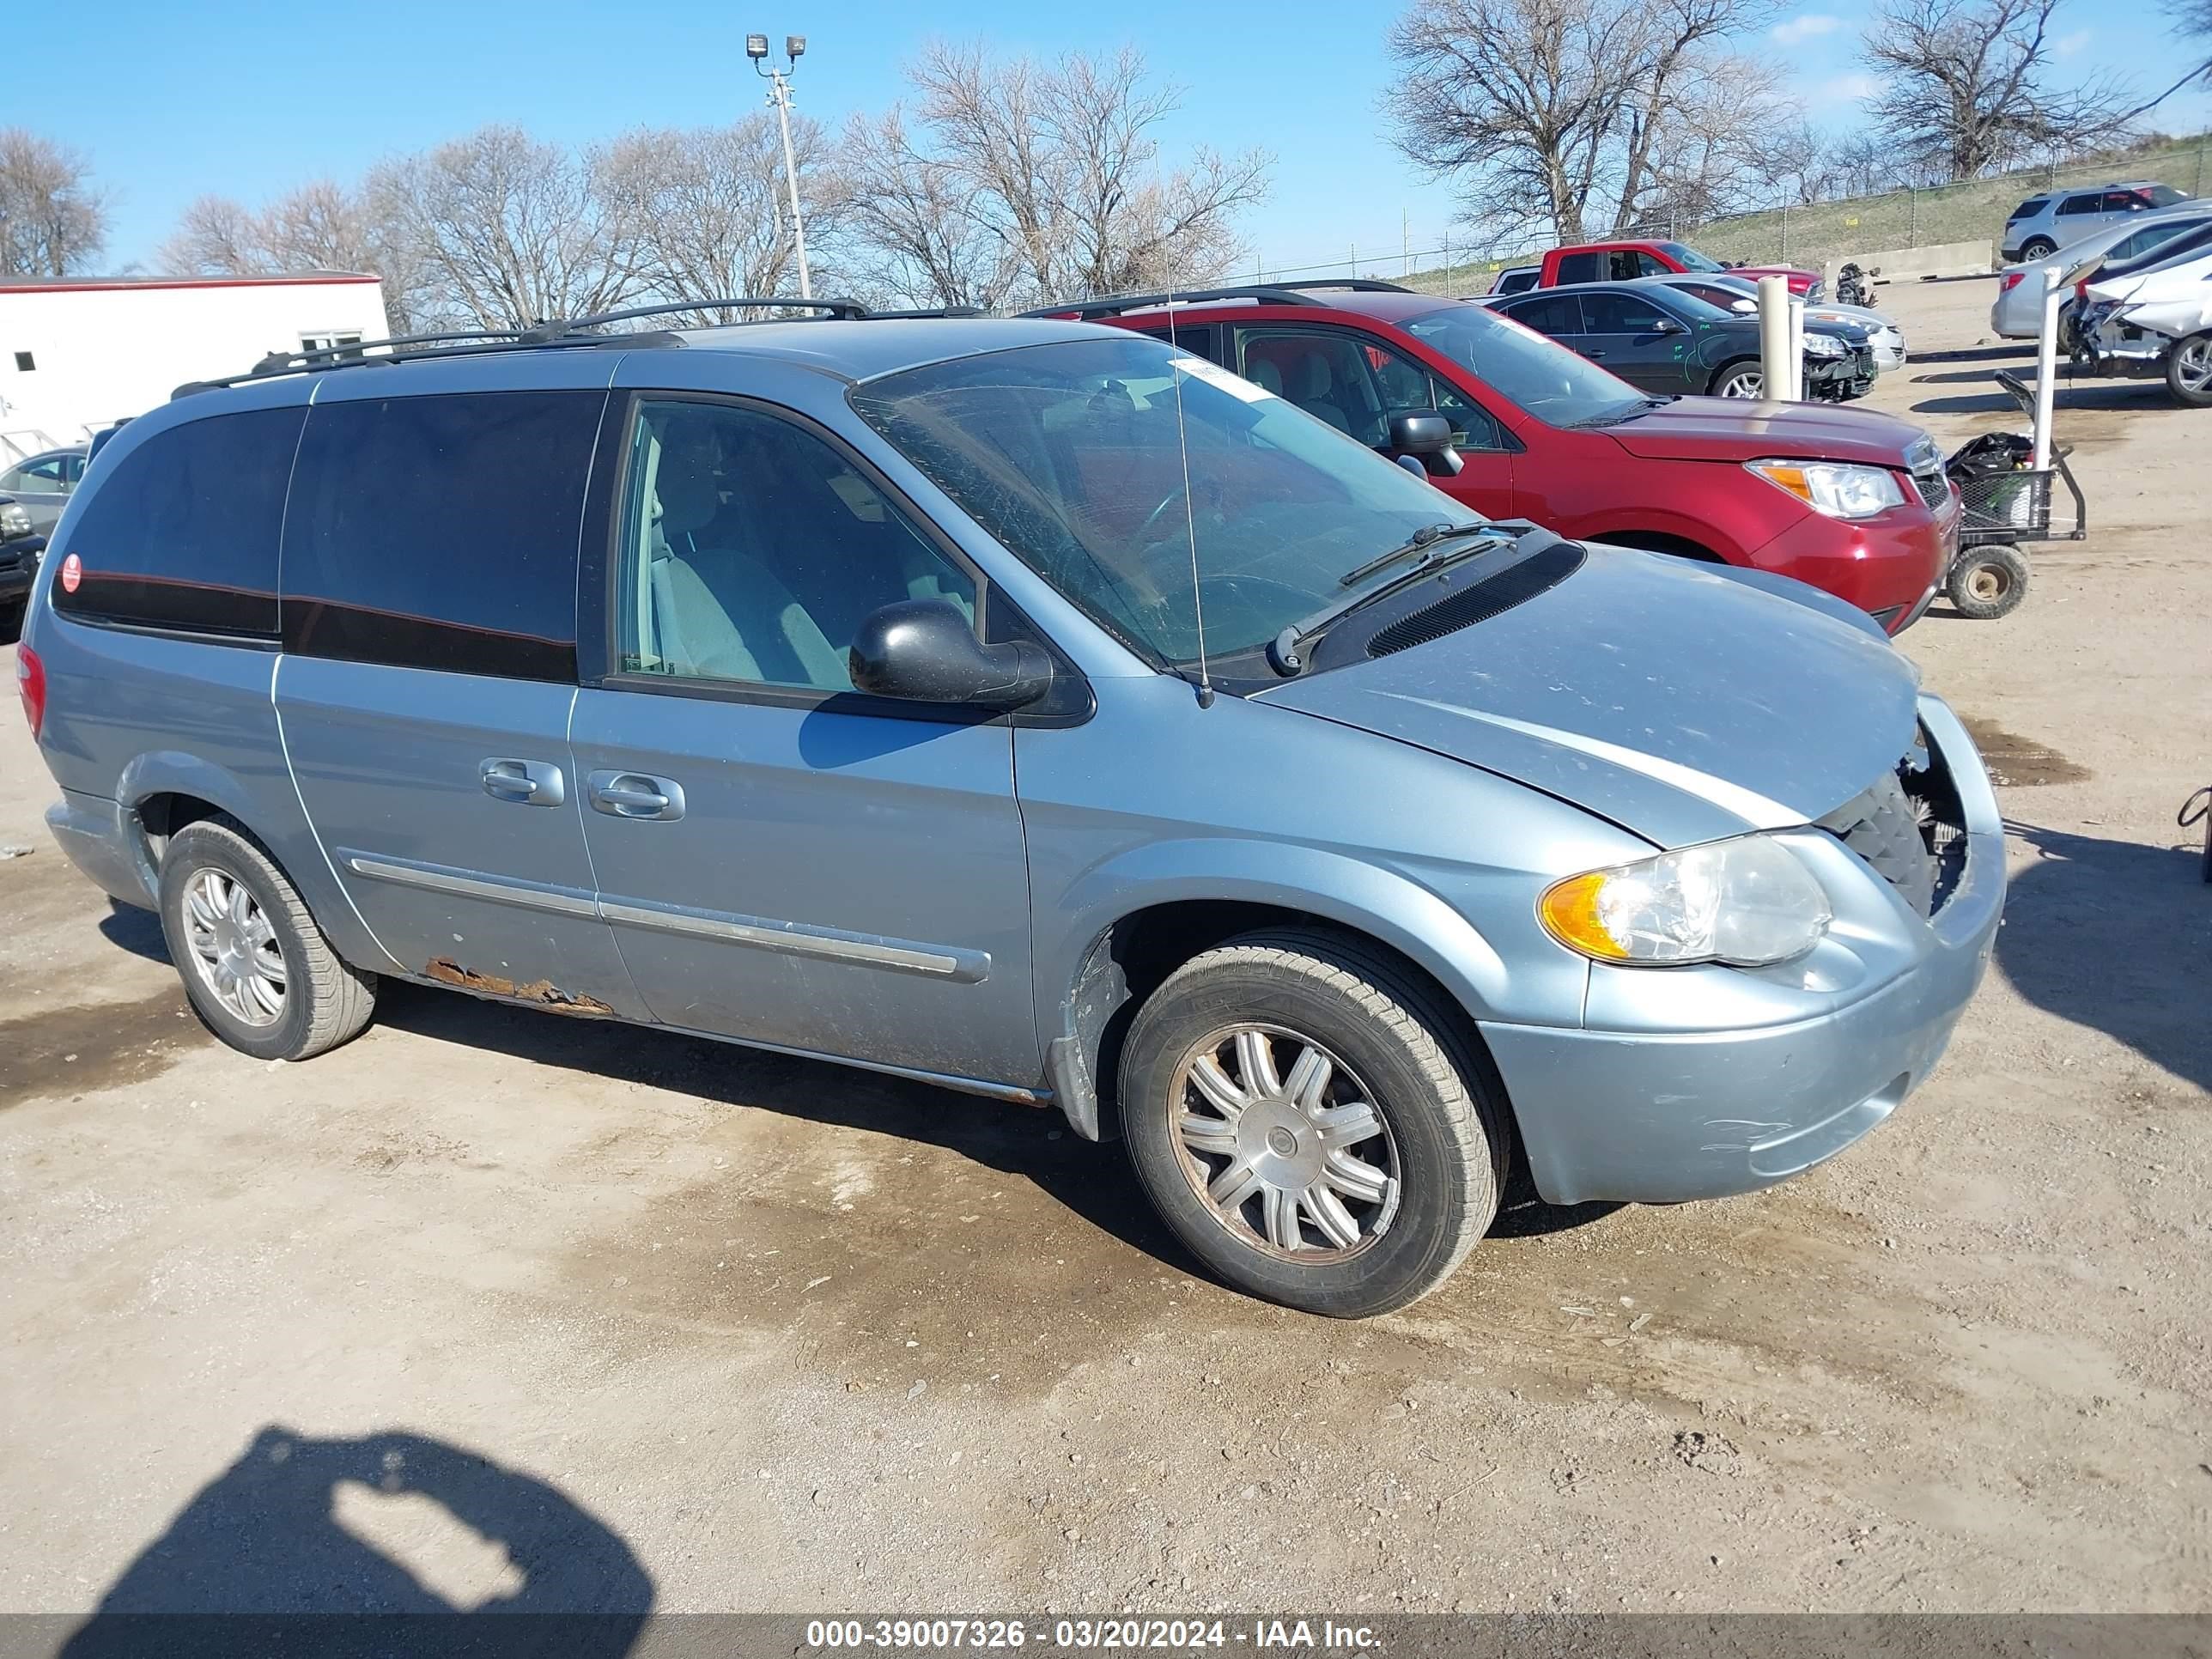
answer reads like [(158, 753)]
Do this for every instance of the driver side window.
[(751, 549)]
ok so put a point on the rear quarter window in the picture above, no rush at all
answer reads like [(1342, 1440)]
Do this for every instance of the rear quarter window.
[(182, 533), (1578, 268), (441, 532), (2029, 207)]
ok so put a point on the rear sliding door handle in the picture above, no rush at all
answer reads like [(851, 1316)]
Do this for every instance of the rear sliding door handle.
[(525, 783), (635, 796)]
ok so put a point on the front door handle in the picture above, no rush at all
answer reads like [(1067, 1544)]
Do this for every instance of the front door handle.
[(525, 783), (635, 796)]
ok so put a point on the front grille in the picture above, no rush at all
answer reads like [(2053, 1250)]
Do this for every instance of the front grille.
[(1879, 825), (1909, 827), (1516, 585)]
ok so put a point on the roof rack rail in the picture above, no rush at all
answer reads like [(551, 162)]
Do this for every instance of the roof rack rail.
[(923, 311), (1348, 284), (546, 333), (1275, 293), (472, 341)]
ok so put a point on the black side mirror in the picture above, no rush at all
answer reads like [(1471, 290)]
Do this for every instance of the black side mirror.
[(1427, 439), (923, 650)]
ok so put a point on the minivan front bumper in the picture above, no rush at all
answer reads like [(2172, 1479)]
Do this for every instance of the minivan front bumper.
[(1662, 1116)]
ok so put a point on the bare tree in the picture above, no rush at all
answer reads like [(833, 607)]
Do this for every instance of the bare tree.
[(1549, 113), (323, 226), (913, 225), (1966, 87), (503, 232), (708, 206), (53, 221), (1041, 179)]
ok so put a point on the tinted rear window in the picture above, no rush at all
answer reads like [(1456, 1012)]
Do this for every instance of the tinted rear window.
[(2029, 206), (440, 531), (2165, 195), (181, 533), (1578, 268)]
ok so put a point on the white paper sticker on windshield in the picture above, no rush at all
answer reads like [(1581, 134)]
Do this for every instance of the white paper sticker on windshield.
[(1213, 373)]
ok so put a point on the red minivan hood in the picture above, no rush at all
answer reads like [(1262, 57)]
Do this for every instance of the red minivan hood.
[(1733, 429)]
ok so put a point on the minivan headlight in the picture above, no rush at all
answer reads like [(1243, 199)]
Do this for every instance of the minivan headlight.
[(1745, 902), (1835, 488)]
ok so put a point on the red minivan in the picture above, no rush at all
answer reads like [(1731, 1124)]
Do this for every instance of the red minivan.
[(1847, 500), (1624, 262)]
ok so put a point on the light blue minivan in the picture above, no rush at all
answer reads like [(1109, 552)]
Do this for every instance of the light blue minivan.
[(1031, 709)]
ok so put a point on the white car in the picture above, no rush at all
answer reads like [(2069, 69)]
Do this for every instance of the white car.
[(1740, 295), (2018, 313), (2156, 323)]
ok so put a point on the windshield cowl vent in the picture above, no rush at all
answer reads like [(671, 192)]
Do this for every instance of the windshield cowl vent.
[(1516, 584)]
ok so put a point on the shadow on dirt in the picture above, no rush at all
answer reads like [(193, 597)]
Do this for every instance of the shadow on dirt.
[(1031, 1143), (2117, 936), (2101, 394), (290, 1547)]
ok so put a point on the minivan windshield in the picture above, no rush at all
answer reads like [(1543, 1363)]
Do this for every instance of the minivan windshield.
[(1071, 455), (1689, 259), (1553, 384)]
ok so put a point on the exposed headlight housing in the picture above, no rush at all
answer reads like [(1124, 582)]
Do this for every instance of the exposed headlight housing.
[(1836, 488), (1823, 345), (15, 520), (1745, 902)]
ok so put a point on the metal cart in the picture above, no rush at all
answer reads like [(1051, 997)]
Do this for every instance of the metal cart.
[(2006, 483)]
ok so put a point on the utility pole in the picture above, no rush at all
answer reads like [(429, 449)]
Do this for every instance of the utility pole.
[(779, 93)]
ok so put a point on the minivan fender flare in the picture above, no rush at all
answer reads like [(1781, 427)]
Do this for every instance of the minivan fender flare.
[(171, 772), (1359, 896)]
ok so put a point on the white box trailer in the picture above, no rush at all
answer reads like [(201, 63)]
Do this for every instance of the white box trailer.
[(79, 353)]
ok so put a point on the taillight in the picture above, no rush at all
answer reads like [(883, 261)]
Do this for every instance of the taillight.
[(2013, 280), (31, 683)]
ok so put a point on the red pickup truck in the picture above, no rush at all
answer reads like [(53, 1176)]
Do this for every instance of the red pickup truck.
[(1623, 262)]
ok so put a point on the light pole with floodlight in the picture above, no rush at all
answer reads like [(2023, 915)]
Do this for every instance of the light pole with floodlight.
[(779, 93)]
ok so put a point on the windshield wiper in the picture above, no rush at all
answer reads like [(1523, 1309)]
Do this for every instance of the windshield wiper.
[(1422, 540), (1285, 651)]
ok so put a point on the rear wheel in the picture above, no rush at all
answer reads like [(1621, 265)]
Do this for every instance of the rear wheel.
[(1988, 582), (258, 969), (1745, 380), (2189, 371), (2037, 247), (1307, 1117)]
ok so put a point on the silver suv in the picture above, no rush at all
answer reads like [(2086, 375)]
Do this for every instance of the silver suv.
[(1035, 709), (2042, 224)]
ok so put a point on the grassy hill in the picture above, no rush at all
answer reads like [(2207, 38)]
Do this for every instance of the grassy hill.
[(1846, 229)]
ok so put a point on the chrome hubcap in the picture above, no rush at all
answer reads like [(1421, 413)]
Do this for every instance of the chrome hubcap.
[(2192, 364), (234, 947), (1284, 1143)]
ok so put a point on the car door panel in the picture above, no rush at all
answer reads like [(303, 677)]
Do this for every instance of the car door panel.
[(783, 859), (1623, 332), (428, 610)]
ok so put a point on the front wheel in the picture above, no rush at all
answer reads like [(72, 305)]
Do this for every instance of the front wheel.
[(1988, 582), (2189, 371), (1741, 380), (1310, 1121)]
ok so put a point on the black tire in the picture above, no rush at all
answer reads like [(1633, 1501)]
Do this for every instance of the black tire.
[(1397, 1046), (2189, 371), (1733, 377), (324, 1000), (1988, 582), (2037, 247)]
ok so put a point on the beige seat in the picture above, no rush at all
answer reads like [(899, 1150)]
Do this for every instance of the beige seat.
[(733, 621)]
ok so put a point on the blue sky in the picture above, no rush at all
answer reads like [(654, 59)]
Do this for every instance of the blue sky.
[(247, 99)]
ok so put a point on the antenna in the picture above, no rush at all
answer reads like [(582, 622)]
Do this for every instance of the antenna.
[(1190, 512)]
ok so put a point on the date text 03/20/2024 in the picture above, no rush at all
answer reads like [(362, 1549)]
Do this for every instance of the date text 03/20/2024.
[(831, 1635)]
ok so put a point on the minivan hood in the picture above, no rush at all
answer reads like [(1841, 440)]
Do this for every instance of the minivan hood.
[(1671, 699), (1732, 429)]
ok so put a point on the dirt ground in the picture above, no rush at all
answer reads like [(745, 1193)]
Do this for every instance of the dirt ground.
[(559, 1313)]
